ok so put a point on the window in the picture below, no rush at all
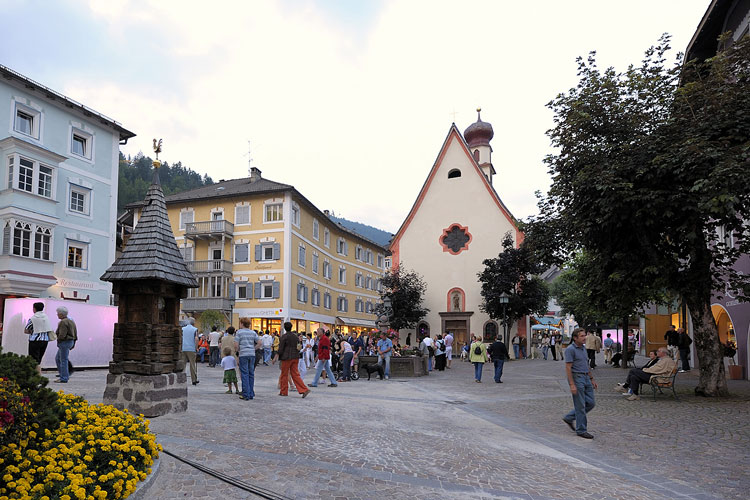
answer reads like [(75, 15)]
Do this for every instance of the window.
[(274, 212), (77, 255), (82, 144), (368, 283), (187, 253), (315, 297), (358, 253), (342, 304), (267, 251), (387, 263), (301, 293), (45, 182), (25, 174), (342, 247), (78, 202), (27, 121), (369, 307), (242, 214), (242, 292), (316, 229), (380, 261), (327, 300), (454, 173), (42, 238), (295, 214), (327, 238), (301, 257), (342, 275), (214, 289), (359, 306), (358, 280), (315, 263), (22, 239), (326, 269), (267, 290), (241, 252), (368, 257), (186, 218)]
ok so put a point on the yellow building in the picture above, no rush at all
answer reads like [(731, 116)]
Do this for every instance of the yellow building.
[(260, 249)]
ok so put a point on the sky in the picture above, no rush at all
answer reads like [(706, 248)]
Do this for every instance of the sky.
[(347, 100)]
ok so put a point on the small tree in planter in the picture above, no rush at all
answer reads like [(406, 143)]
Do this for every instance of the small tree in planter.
[(406, 290)]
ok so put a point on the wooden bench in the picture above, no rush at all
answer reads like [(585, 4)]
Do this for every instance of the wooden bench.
[(664, 382)]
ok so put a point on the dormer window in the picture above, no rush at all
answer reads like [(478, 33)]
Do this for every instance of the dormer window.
[(27, 120), (24, 122)]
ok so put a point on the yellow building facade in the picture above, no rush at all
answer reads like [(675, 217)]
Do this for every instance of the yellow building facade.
[(260, 249)]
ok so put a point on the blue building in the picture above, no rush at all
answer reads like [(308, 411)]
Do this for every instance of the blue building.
[(59, 165)]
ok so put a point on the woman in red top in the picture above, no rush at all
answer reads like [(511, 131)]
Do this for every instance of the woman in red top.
[(202, 346), (324, 359)]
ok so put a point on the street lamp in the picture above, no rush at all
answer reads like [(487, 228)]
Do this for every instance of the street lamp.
[(385, 315), (504, 298)]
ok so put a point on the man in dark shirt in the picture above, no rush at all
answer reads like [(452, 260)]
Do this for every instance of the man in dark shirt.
[(683, 344), (359, 349), (672, 338), (498, 354), (289, 356)]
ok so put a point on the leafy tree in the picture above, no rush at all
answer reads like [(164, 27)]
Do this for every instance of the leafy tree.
[(645, 174), (406, 290), (512, 272), (210, 319), (573, 294)]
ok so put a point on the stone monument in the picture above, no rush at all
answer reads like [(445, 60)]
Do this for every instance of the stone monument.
[(147, 374)]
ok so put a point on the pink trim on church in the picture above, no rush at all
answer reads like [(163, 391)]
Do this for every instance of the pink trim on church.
[(448, 299)]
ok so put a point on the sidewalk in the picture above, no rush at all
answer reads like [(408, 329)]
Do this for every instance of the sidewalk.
[(444, 436)]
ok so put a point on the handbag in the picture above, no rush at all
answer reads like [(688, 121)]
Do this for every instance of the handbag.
[(52, 335)]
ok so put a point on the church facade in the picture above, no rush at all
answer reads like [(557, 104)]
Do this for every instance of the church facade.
[(457, 221)]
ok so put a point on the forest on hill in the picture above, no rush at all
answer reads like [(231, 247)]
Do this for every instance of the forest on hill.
[(137, 172)]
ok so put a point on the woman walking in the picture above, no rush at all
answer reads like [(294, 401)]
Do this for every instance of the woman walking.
[(347, 354), (477, 355), (440, 359)]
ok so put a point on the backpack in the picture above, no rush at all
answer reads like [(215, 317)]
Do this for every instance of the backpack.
[(478, 350)]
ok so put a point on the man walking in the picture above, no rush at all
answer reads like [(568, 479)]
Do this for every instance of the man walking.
[(672, 338), (213, 347), (246, 342), (289, 356), (267, 341), (638, 376), (683, 344), (189, 338), (607, 343), (498, 354), (385, 350), (67, 334), (582, 384), (324, 359), (593, 346), (448, 339), (39, 330), (553, 346)]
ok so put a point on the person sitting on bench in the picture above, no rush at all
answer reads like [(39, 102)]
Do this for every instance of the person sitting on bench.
[(637, 376), (652, 359)]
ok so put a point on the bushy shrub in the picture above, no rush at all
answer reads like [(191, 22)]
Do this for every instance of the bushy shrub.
[(23, 372), (16, 414)]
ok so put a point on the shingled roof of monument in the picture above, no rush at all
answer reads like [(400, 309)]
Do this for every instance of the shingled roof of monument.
[(151, 251)]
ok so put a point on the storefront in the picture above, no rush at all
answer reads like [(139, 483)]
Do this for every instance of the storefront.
[(353, 326)]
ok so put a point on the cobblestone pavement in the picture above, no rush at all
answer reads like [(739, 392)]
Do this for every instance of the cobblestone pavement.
[(444, 436)]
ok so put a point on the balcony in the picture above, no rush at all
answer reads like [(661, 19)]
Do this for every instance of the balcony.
[(200, 304), (209, 230), (210, 266)]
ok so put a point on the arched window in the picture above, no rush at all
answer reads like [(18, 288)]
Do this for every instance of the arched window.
[(490, 331), (454, 173), (476, 155), (423, 330)]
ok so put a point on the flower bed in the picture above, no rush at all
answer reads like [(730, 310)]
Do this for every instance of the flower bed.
[(95, 452)]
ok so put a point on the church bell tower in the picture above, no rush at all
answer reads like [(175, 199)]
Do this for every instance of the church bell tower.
[(478, 136)]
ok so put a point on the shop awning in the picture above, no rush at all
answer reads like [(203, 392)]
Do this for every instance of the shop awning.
[(368, 323)]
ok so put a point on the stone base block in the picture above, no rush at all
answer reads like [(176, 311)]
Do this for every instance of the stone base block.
[(151, 395)]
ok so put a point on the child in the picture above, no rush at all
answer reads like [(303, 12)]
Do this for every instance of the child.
[(228, 364)]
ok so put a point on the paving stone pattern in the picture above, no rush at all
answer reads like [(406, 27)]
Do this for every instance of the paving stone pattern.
[(444, 436)]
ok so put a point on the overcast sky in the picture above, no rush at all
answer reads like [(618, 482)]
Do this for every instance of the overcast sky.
[(349, 101)]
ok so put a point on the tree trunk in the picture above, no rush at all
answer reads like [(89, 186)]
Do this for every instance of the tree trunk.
[(625, 342), (708, 348)]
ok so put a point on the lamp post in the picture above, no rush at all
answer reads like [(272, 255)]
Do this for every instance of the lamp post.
[(504, 298)]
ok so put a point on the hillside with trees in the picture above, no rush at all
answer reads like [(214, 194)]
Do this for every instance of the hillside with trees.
[(136, 174)]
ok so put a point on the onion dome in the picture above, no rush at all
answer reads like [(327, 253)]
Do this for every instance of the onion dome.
[(479, 133)]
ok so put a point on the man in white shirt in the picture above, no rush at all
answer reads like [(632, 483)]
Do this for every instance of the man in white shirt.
[(213, 347), (267, 341), (428, 350), (448, 348)]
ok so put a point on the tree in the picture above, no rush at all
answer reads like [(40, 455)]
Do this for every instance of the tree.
[(512, 272), (210, 319), (646, 173), (572, 292), (405, 289)]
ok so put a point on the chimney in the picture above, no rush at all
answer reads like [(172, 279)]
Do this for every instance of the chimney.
[(254, 174), (326, 212)]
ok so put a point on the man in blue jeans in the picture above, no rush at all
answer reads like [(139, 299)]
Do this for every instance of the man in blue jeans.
[(67, 334), (498, 355), (246, 341), (385, 350), (582, 384)]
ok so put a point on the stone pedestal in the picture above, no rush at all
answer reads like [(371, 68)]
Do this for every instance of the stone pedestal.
[(151, 395), (402, 366)]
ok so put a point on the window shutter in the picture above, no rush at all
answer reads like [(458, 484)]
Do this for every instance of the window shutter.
[(232, 293), (240, 253), (242, 215), (276, 287), (258, 253), (276, 251), (6, 240), (258, 291), (249, 291)]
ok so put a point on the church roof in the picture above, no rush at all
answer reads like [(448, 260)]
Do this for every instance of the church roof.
[(454, 134), (151, 252)]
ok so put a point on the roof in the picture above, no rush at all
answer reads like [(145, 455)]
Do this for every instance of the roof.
[(151, 251), (704, 43), (247, 186), (52, 95), (454, 133)]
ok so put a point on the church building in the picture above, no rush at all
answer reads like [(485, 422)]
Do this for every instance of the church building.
[(457, 221)]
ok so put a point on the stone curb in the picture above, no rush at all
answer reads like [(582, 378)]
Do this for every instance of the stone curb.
[(142, 489)]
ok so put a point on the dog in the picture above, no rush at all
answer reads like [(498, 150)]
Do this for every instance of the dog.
[(372, 369)]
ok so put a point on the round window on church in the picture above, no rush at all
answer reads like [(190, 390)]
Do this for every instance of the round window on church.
[(455, 239)]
